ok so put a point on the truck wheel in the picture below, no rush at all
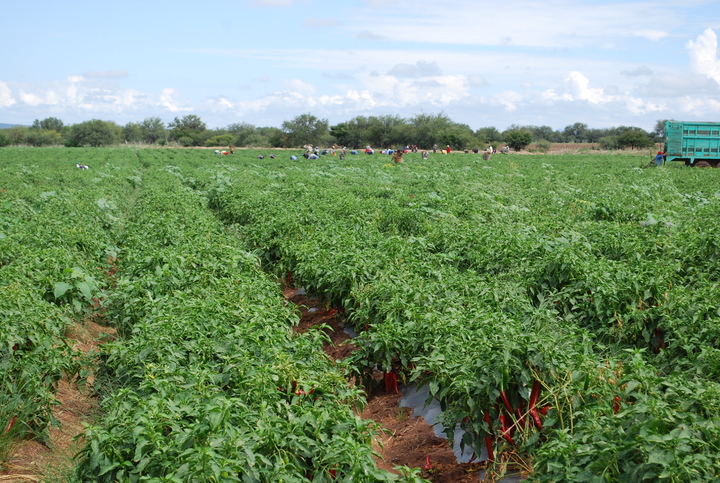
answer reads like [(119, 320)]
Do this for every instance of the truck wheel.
[(702, 164)]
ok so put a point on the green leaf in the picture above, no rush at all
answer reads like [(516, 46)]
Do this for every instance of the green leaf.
[(84, 289), (61, 288)]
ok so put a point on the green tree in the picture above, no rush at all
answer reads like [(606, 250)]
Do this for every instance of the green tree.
[(634, 139), (17, 134), (189, 130), (153, 130), (458, 136), (575, 132), (517, 139), (49, 123), (385, 131), (94, 133), (541, 132), (430, 129), (305, 129), (274, 136), (4, 140), (43, 137), (659, 130), (132, 132), (487, 135), (609, 142), (242, 132), (220, 140), (353, 133)]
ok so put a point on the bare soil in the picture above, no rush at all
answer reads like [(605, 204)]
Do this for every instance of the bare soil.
[(37, 461)]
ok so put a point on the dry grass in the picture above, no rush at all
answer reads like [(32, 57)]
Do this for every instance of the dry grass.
[(55, 461)]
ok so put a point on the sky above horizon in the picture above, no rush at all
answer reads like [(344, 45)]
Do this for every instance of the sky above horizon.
[(602, 63)]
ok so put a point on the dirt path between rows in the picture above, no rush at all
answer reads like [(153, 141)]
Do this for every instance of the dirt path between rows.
[(34, 460), (410, 440)]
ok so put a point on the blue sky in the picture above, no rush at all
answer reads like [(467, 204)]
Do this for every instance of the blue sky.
[(554, 63)]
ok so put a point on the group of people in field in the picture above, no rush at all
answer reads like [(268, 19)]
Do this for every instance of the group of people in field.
[(314, 152)]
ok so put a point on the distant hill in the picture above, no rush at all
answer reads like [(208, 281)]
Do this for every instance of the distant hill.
[(6, 126)]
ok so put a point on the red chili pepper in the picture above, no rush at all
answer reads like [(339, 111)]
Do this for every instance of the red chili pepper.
[(534, 394), (391, 382), (505, 431), (428, 465), (616, 404), (505, 401), (488, 421), (536, 418), (332, 473), (489, 446), (545, 410), (520, 417), (10, 425)]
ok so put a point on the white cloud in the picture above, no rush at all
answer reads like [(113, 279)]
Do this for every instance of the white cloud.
[(167, 100), (300, 87), (30, 99), (557, 24), (74, 79), (704, 55), (580, 89), (477, 81), (654, 35), (421, 68), (509, 100), (6, 97)]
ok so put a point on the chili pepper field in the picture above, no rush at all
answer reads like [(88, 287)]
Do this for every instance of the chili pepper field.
[(563, 309)]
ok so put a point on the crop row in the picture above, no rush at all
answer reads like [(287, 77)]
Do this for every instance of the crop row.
[(55, 232), (209, 382), (560, 308)]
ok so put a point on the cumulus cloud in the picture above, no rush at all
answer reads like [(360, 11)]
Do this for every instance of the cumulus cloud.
[(420, 69), (6, 97), (577, 88), (704, 55), (168, 99), (508, 100), (29, 98)]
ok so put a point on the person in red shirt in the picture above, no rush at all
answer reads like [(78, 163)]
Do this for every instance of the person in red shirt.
[(447, 149)]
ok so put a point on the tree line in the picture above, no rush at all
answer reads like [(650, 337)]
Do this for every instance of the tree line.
[(388, 131)]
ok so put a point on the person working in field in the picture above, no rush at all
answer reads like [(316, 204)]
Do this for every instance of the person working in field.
[(659, 158)]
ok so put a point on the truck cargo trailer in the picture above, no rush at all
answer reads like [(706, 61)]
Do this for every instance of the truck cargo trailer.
[(694, 143)]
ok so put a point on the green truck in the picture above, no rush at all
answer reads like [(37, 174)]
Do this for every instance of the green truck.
[(694, 143)]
